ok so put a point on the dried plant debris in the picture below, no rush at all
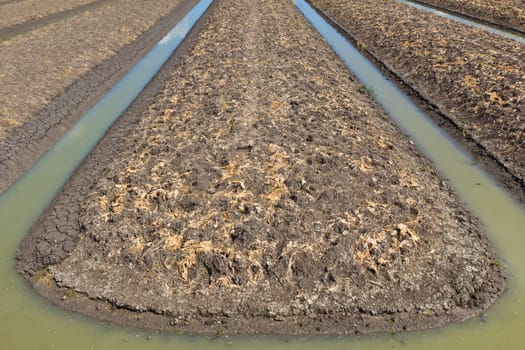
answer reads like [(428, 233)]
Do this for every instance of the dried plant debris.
[(474, 77), (40, 64), (56, 67), (262, 193), (506, 13)]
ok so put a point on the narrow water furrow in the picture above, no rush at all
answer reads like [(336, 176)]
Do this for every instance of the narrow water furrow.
[(40, 65), (480, 23), (10, 32), (479, 153), (53, 169), (33, 116), (508, 15), (474, 78)]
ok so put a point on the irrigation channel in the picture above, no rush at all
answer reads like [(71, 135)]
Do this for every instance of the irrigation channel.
[(27, 321), (477, 24)]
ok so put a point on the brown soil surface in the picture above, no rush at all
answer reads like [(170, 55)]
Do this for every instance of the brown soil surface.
[(9, 32), (505, 13), (262, 191), (19, 12), (51, 75), (5, 2), (474, 78), (39, 65)]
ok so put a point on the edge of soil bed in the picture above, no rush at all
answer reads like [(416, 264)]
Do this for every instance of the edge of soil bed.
[(488, 162), (27, 143), (471, 17), (36, 274), (221, 325)]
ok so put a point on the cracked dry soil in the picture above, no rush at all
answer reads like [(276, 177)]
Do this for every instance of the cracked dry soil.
[(261, 193)]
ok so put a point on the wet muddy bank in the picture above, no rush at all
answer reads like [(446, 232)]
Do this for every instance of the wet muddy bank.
[(254, 197), (472, 87), (505, 13), (55, 101)]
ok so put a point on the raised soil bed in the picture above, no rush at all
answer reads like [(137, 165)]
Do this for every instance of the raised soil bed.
[(52, 74), (262, 191), (475, 79), (505, 13)]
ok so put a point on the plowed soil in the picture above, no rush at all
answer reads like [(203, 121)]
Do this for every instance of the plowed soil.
[(262, 191), (476, 79), (505, 13), (34, 72), (52, 74), (19, 12)]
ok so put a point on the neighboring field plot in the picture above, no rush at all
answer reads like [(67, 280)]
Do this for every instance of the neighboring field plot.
[(39, 65), (507, 13), (476, 78), (23, 11)]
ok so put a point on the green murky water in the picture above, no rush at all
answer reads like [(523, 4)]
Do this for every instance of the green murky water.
[(28, 322)]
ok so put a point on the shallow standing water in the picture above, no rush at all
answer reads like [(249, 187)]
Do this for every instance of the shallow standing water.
[(27, 322)]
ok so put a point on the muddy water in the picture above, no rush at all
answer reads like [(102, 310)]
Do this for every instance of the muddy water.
[(488, 28), (27, 322)]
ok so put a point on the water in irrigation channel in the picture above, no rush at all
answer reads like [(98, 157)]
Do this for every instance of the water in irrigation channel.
[(27, 322), (486, 27)]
